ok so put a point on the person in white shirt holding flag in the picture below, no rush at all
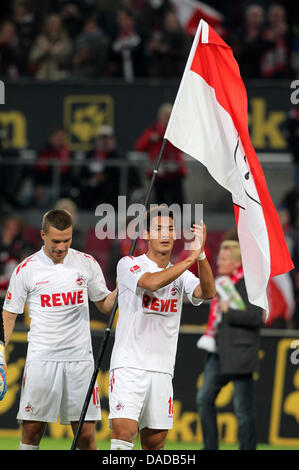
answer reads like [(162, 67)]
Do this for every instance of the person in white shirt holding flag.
[(150, 299), (56, 283)]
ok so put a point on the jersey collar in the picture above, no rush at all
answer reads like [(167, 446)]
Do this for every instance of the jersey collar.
[(48, 260), (148, 260)]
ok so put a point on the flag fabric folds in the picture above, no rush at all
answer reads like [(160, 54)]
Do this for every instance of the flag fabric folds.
[(209, 122)]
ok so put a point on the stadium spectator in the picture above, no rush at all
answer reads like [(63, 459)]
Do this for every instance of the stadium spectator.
[(167, 48), (5, 9), (90, 51), (292, 137), (291, 234), (172, 171), (276, 60), (72, 18), (131, 25), (282, 290), (11, 63), (85, 7), (247, 42), (151, 16), (235, 324), (56, 149), (12, 246), (127, 57), (79, 235), (50, 55), (10, 177), (101, 182), (291, 201), (27, 29), (106, 11)]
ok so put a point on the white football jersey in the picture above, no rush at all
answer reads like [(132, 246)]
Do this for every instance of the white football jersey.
[(148, 324), (57, 299)]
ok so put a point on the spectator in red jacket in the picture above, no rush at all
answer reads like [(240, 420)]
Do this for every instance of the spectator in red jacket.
[(100, 182), (172, 170), (56, 149), (276, 61)]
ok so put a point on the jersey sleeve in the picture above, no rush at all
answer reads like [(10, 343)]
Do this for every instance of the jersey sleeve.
[(129, 271), (97, 288), (17, 292), (190, 283)]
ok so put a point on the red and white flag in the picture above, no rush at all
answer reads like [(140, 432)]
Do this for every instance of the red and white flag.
[(209, 122), (190, 12), (281, 298)]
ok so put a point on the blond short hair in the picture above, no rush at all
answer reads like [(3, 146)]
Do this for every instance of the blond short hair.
[(164, 109), (234, 248)]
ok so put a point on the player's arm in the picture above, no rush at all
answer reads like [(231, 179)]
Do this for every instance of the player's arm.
[(9, 320), (7, 326), (97, 288), (154, 281), (106, 305), (206, 289), (15, 300), (2, 341), (3, 367)]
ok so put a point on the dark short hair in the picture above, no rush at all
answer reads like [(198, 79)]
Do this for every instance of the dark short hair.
[(157, 211), (57, 218)]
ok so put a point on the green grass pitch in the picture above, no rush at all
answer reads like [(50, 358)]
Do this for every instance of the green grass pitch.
[(47, 443)]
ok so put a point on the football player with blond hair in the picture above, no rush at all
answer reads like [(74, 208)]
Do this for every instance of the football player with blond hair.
[(57, 283)]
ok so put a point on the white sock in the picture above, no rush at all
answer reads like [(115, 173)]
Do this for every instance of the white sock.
[(27, 447), (117, 444)]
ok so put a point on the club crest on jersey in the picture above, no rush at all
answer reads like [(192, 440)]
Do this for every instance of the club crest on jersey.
[(175, 289), (81, 280), (135, 269)]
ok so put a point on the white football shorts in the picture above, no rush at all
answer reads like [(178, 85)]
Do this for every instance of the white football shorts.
[(141, 395), (51, 389)]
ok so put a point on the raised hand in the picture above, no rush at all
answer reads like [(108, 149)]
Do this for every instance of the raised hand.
[(197, 245)]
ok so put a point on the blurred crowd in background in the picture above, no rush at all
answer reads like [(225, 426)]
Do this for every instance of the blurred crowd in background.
[(57, 39)]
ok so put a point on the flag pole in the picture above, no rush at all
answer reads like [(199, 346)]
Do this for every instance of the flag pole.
[(115, 305)]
